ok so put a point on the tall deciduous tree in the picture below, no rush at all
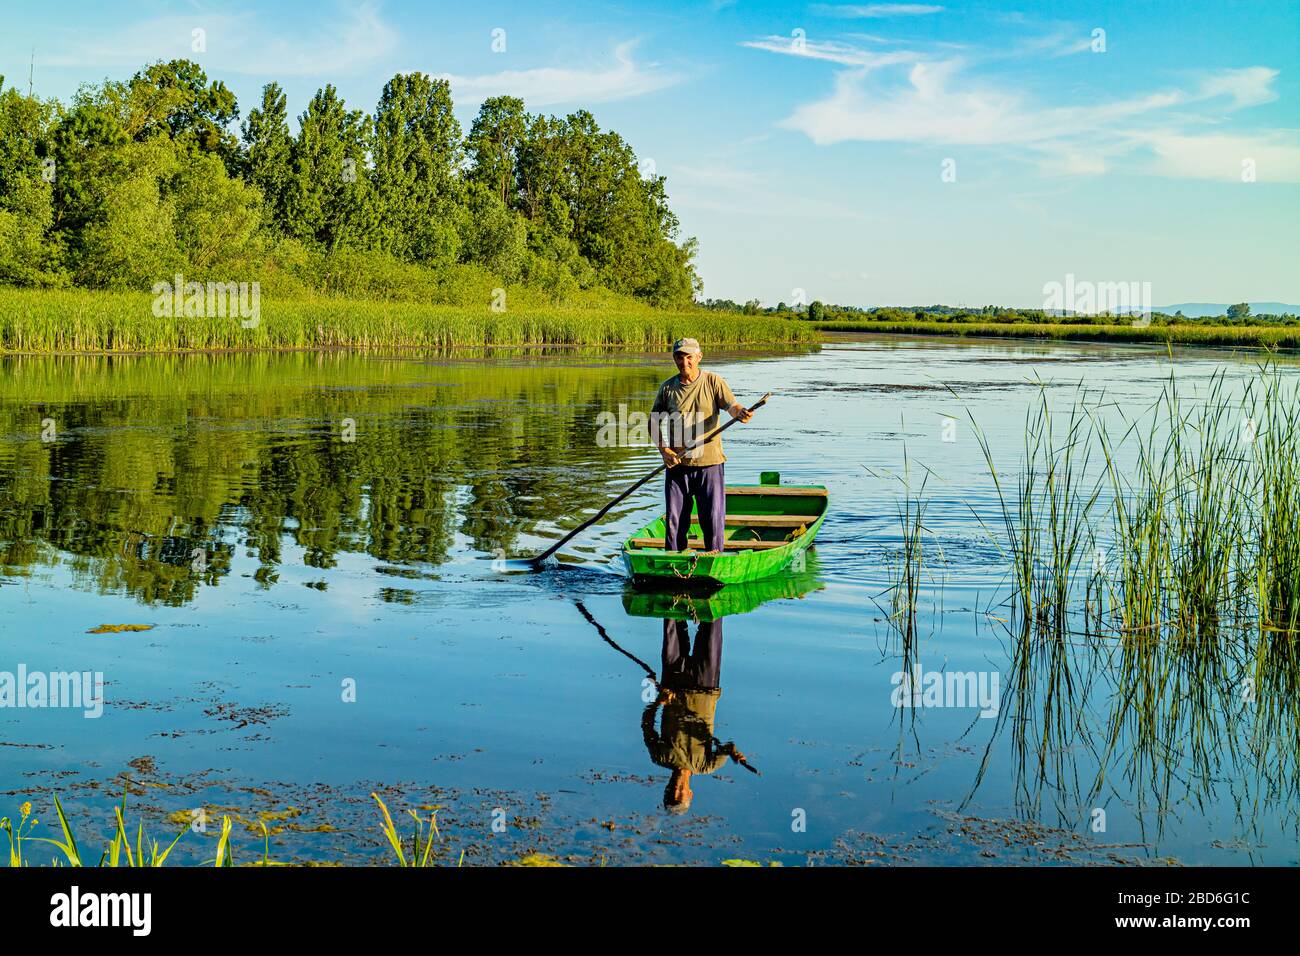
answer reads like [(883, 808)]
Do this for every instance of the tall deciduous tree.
[(28, 254), (417, 151), (329, 202), (268, 152), (130, 240), (176, 100), (83, 140), (493, 146)]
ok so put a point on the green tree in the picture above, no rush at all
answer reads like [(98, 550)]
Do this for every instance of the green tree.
[(130, 241), (83, 140), (619, 221), (493, 144), (330, 202), (540, 165), (268, 153), (552, 261), (417, 150), (216, 219), (176, 100), (816, 311), (29, 253), (494, 235), (1239, 311)]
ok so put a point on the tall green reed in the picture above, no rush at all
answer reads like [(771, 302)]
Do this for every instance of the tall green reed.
[(1192, 604)]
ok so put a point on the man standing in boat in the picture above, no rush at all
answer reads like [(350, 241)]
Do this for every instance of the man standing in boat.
[(686, 408)]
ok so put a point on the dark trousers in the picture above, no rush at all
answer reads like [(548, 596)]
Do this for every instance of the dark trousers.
[(697, 669), (705, 486)]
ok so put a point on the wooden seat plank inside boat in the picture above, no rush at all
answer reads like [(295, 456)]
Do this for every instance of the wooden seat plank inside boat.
[(697, 544), (769, 521), (792, 491)]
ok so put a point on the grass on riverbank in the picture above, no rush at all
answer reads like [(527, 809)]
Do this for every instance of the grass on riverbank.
[(1258, 336), (118, 850), (85, 321)]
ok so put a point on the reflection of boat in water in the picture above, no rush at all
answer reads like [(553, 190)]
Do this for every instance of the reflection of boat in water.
[(770, 526), (731, 599)]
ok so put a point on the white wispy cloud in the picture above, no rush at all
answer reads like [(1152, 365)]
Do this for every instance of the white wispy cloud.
[(1274, 156), (875, 11), (942, 100), (832, 51), (353, 37), (1248, 87), (549, 86)]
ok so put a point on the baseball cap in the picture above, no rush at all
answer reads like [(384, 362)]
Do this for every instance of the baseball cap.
[(686, 345)]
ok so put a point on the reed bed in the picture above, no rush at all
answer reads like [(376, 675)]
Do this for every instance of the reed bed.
[(1156, 553), (1179, 523), (85, 321)]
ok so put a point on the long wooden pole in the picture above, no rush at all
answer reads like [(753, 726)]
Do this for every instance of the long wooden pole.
[(605, 510)]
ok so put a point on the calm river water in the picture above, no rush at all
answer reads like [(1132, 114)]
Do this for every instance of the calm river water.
[(313, 540)]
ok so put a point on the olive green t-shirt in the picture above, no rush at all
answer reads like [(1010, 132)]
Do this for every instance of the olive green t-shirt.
[(689, 412), (686, 742)]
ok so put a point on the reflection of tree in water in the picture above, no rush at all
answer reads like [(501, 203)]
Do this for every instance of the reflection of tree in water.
[(157, 456)]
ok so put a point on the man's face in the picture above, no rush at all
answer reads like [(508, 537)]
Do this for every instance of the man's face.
[(678, 792), (687, 362)]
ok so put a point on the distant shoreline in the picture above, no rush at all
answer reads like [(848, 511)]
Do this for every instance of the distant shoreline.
[(1216, 336)]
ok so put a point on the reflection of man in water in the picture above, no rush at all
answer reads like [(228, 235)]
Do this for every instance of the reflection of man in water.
[(689, 694)]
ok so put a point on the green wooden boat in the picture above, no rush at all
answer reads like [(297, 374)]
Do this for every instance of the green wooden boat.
[(769, 526)]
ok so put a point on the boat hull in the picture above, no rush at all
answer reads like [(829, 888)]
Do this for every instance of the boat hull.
[(780, 521)]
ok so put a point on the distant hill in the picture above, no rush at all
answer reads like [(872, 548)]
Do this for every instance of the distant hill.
[(1196, 310)]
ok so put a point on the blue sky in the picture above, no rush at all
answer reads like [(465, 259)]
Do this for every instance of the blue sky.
[(806, 144)]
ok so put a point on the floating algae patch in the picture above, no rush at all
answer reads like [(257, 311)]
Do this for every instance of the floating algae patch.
[(246, 716), (1019, 842), (535, 859), (119, 628), (146, 765), (966, 840), (184, 818), (275, 821)]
